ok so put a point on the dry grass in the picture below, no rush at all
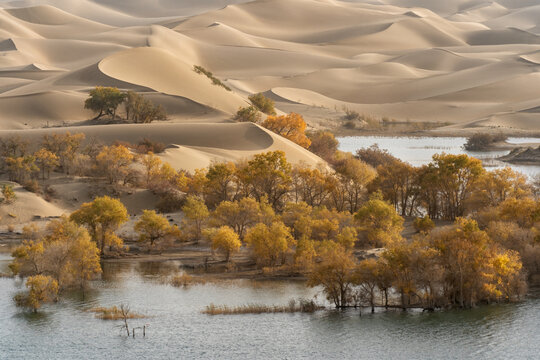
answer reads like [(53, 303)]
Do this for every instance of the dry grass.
[(115, 313), (304, 306), (185, 280)]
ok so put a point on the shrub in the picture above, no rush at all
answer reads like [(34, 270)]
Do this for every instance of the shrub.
[(248, 114), (170, 201), (185, 280), (323, 143), (9, 194), (49, 193), (482, 141), (141, 110), (263, 103), (146, 145), (351, 115), (200, 70), (350, 125), (302, 305), (115, 313), (32, 186), (423, 225)]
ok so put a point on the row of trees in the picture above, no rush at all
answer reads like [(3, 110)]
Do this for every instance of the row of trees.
[(459, 265), (301, 217), (449, 187)]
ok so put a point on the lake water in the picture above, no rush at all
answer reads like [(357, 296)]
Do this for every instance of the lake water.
[(178, 330), (419, 150)]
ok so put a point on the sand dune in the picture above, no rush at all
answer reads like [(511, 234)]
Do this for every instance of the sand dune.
[(28, 207), (191, 145), (466, 61)]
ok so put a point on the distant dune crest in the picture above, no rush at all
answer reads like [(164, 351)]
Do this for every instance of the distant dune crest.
[(470, 63)]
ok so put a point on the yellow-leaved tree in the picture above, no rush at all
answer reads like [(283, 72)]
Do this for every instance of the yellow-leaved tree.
[(195, 216), (334, 273), (239, 215), (155, 229), (270, 244), (114, 162), (102, 217), (64, 251), (41, 289), (380, 221), (46, 161), (226, 241)]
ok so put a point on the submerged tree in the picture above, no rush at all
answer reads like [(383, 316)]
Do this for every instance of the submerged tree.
[(63, 251), (335, 274), (41, 289)]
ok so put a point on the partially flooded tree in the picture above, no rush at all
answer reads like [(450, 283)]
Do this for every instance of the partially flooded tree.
[(41, 289), (366, 275), (63, 251), (335, 274)]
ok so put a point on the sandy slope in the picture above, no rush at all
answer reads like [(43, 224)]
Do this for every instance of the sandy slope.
[(469, 62), (191, 145)]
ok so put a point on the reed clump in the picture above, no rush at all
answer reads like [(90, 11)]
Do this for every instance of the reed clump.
[(294, 306), (185, 280), (115, 313)]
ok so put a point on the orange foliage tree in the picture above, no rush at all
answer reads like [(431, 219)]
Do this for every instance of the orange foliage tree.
[(291, 126)]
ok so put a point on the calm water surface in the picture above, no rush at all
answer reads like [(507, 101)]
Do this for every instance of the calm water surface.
[(179, 331), (419, 150)]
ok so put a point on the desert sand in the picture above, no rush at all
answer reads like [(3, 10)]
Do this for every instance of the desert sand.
[(469, 63)]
